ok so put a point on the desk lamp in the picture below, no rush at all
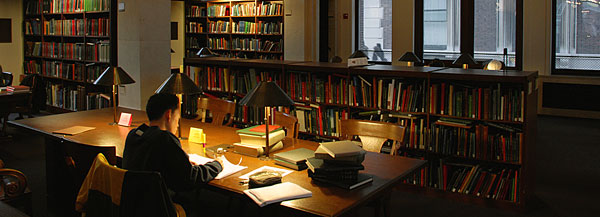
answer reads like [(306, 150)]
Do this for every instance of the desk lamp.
[(205, 52), (178, 84), (494, 65), (410, 58), (465, 60), (114, 76), (266, 94), (358, 54)]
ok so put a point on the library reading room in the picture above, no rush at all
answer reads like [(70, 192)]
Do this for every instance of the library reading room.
[(412, 108)]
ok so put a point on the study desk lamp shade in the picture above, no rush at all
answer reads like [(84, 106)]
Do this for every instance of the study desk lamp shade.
[(465, 60), (358, 54), (410, 58), (205, 52), (178, 83), (494, 65), (266, 93), (113, 76)]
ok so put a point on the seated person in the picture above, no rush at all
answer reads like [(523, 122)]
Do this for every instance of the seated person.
[(154, 147)]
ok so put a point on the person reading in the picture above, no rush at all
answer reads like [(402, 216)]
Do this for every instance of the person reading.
[(155, 147)]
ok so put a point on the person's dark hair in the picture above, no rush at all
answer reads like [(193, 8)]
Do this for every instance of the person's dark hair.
[(159, 103)]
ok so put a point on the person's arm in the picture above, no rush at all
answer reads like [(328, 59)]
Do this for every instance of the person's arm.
[(180, 174)]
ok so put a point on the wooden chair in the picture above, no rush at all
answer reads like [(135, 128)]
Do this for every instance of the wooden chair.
[(6, 79), (219, 109), (13, 188), (111, 191), (372, 134), (288, 122)]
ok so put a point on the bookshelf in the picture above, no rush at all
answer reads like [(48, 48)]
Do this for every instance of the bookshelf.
[(250, 29), (476, 128), (67, 43)]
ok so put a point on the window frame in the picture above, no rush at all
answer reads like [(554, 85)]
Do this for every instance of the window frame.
[(554, 70), (467, 31), (357, 34)]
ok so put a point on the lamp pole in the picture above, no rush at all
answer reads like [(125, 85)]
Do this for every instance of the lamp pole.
[(267, 148)]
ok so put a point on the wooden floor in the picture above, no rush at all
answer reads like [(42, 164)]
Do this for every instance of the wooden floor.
[(567, 168)]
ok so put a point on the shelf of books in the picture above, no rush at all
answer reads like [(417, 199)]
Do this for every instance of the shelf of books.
[(67, 43), (243, 29), (475, 127)]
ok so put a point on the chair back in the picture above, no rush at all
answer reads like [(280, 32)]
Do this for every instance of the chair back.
[(6, 79), (110, 191), (288, 122), (372, 134), (219, 109), (12, 183)]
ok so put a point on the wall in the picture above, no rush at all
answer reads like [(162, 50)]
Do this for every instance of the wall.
[(11, 54), (144, 48), (177, 15), (293, 27)]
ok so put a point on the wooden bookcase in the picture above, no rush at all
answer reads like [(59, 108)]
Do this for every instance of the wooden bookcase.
[(251, 29), (327, 92), (67, 43)]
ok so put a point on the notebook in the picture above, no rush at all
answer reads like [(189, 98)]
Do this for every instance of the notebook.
[(277, 193)]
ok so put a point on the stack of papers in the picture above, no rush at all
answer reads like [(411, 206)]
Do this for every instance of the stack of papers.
[(277, 193)]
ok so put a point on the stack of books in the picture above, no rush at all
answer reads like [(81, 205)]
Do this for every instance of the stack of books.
[(253, 140), (338, 163), (295, 159)]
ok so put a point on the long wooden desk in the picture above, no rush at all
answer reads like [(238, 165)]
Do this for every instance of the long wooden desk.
[(326, 200)]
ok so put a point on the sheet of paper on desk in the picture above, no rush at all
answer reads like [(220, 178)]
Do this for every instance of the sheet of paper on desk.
[(228, 167), (74, 130), (277, 193), (283, 172)]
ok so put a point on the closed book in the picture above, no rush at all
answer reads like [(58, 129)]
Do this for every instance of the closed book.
[(318, 165), (362, 179), (254, 150), (320, 153), (299, 166), (259, 130), (260, 140), (341, 148), (295, 156), (342, 176)]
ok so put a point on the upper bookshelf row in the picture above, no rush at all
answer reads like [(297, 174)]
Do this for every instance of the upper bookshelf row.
[(236, 9), (37, 7)]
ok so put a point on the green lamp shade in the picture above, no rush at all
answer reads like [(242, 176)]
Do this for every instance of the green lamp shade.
[(410, 57), (465, 59), (114, 76), (178, 83), (266, 93), (358, 54), (205, 52)]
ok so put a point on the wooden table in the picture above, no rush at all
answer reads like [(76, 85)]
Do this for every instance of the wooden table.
[(326, 200)]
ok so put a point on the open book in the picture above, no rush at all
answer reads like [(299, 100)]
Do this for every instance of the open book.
[(228, 167), (277, 193)]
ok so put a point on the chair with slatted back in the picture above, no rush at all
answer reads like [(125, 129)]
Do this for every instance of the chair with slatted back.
[(372, 134), (218, 108), (13, 188), (289, 124)]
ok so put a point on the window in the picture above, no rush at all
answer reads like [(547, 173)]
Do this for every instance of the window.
[(495, 30), (577, 36), (482, 28), (375, 29), (441, 27)]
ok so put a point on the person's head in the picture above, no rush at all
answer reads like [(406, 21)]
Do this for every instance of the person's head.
[(164, 110)]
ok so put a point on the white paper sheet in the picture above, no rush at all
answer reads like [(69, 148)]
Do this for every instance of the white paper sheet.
[(277, 193), (228, 167)]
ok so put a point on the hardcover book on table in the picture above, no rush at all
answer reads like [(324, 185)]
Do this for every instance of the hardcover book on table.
[(295, 156), (320, 153), (341, 148), (362, 179), (319, 166)]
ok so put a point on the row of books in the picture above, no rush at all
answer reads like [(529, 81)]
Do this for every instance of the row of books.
[(252, 45), (244, 27), (219, 43), (261, 27), (33, 27), (33, 8), (195, 11), (486, 141), (74, 98), (72, 71), (73, 27), (194, 27), (219, 27), (320, 120), (71, 6), (487, 103), (73, 51), (477, 180), (263, 9), (192, 42)]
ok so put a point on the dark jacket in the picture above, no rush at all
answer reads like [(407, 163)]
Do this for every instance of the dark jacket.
[(152, 149)]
